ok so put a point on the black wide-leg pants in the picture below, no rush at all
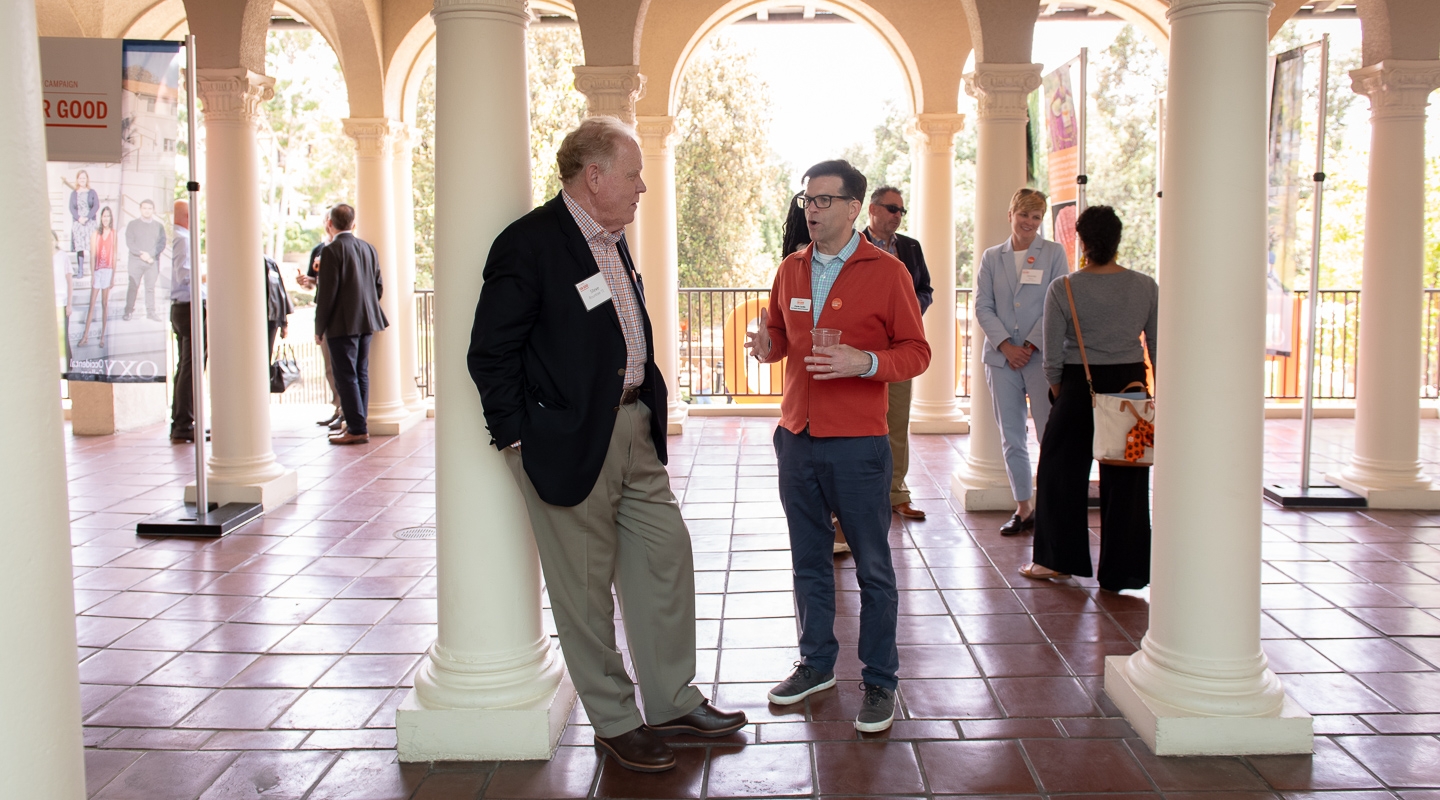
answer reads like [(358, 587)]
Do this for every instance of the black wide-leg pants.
[(1062, 536)]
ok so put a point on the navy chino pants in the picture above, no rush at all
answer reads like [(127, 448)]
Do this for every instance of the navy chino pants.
[(849, 476)]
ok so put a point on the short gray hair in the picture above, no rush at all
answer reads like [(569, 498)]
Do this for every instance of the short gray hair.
[(595, 141), (879, 193)]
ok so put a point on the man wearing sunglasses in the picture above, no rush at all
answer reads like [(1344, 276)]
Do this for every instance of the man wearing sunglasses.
[(887, 208), (832, 444)]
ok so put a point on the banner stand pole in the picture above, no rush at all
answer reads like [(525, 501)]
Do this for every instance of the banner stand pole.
[(1309, 496), (1081, 178), (204, 518)]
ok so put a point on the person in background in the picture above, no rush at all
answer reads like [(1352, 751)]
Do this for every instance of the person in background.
[(347, 315), (307, 280), (64, 294), (1115, 306), (145, 238), (887, 209), (102, 277), (182, 406), (1010, 294), (277, 305), (831, 445), (84, 206)]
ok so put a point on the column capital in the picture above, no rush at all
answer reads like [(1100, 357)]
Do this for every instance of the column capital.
[(935, 132), (1183, 8), (404, 137), (1003, 90), (655, 133), (517, 11), (374, 136), (611, 91), (232, 95), (1397, 89)]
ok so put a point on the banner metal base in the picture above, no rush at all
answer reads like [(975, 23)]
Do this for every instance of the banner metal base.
[(183, 521), (1312, 497)]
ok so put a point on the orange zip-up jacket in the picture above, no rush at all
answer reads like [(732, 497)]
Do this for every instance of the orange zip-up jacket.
[(873, 305)]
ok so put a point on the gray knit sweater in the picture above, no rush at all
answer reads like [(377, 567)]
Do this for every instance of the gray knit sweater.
[(1114, 310)]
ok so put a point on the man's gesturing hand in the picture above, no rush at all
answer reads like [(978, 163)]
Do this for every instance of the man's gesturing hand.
[(758, 340)]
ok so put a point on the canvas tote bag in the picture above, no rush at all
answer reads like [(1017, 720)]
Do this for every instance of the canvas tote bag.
[(1124, 421)]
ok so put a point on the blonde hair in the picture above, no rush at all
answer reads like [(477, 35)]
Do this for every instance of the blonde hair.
[(595, 141), (1028, 199)]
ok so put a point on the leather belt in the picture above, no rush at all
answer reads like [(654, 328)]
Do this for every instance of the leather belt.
[(630, 395)]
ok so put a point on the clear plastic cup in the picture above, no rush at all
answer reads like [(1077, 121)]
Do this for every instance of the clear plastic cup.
[(824, 337)]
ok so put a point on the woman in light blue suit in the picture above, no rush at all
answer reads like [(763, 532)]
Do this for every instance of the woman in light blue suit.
[(1010, 307)]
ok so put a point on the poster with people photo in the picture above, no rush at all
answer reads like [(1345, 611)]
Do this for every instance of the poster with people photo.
[(112, 233)]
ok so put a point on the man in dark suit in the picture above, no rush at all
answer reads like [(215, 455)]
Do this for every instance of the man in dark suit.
[(562, 354), (347, 313), (887, 208)]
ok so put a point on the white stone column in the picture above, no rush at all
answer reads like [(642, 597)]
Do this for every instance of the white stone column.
[(611, 91), (1200, 683), (405, 265), (375, 223), (242, 466), (494, 685), (1001, 91), (1385, 468), (657, 256), (40, 744), (933, 408)]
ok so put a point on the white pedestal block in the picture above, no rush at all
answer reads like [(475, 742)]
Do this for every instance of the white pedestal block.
[(975, 495), (1416, 499), (398, 423), (960, 425), (100, 409), (1171, 732), (525, 733), (270, 494), (675, 419)]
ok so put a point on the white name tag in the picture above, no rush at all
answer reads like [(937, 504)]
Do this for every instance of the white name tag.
[(799, 304), (593, 291), (1031, 276)]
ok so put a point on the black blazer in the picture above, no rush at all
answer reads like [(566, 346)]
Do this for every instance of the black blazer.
[(909, 252), (550, 373), (347, 295)]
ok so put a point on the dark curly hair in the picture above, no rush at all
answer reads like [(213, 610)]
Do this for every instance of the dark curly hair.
[(1099, 230)]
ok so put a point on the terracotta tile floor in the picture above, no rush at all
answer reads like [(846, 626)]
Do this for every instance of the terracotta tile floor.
[(269, 663)]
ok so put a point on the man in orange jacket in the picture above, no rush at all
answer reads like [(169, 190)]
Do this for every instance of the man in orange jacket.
[(832, 443)]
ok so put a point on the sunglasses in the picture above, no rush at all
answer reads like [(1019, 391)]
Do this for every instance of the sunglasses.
[(894, 209)]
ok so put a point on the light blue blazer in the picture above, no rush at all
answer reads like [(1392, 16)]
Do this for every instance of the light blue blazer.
[(1007, 309)]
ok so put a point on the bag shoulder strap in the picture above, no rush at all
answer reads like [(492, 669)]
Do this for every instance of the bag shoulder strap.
[(1079, 338)]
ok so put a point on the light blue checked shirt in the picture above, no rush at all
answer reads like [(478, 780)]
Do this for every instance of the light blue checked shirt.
[(823, 272)]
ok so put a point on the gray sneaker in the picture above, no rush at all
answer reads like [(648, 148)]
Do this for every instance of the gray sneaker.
[(877, 710), (802, 683)]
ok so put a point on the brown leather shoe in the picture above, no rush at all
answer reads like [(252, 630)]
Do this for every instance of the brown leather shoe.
[(908, 511), (706, 720), (350, 438), (640, 750)]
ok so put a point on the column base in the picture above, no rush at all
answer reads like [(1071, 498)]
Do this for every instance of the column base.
[(395, 424), (675, 418), (929, 417), (1419, 498), (273, 493), (977, 494), (100, 409), (524, 733), (1170, 731)]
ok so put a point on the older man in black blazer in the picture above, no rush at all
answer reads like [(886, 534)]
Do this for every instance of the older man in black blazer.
[(347, 313), (562, 354)]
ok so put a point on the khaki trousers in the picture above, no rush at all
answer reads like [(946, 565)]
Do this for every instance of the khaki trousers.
[(329, 374), (897, 417), (627, 533)]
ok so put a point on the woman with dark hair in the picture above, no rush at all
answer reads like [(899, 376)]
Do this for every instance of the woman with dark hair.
[(1115, 306), (84, 205), (102, 276), (796, 233)]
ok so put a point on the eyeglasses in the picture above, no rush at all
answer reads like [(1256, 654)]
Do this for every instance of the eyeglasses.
[(820, 200), (894, 209)]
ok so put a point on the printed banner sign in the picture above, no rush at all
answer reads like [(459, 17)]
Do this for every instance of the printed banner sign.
[(1286, 161), (112, 231), (81, 98), (1062, 129)]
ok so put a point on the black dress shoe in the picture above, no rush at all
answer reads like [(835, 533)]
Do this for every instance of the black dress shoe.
[(706, 720), (639, 750), (1017, 525)]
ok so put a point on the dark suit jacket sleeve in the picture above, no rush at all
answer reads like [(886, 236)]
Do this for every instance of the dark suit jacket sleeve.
[(327, 290), (920, 273), (509, 306)]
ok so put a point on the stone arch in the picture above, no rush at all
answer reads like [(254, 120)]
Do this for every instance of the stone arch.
[(162, 20), (1148, 17), (353, 32), (673, 29)]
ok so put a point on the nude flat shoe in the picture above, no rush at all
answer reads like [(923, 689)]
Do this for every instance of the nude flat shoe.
[(1036, 572)]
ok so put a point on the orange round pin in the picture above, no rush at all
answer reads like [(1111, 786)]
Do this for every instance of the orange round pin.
[(836, 303), (1031, 259)]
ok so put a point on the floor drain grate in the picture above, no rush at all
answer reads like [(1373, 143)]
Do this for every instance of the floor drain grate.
[(422, 532)]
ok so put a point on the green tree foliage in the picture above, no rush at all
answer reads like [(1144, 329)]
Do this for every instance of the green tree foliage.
[(1121, 146), (552, 52), (966, 249), (885, 161), (730, 194)]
